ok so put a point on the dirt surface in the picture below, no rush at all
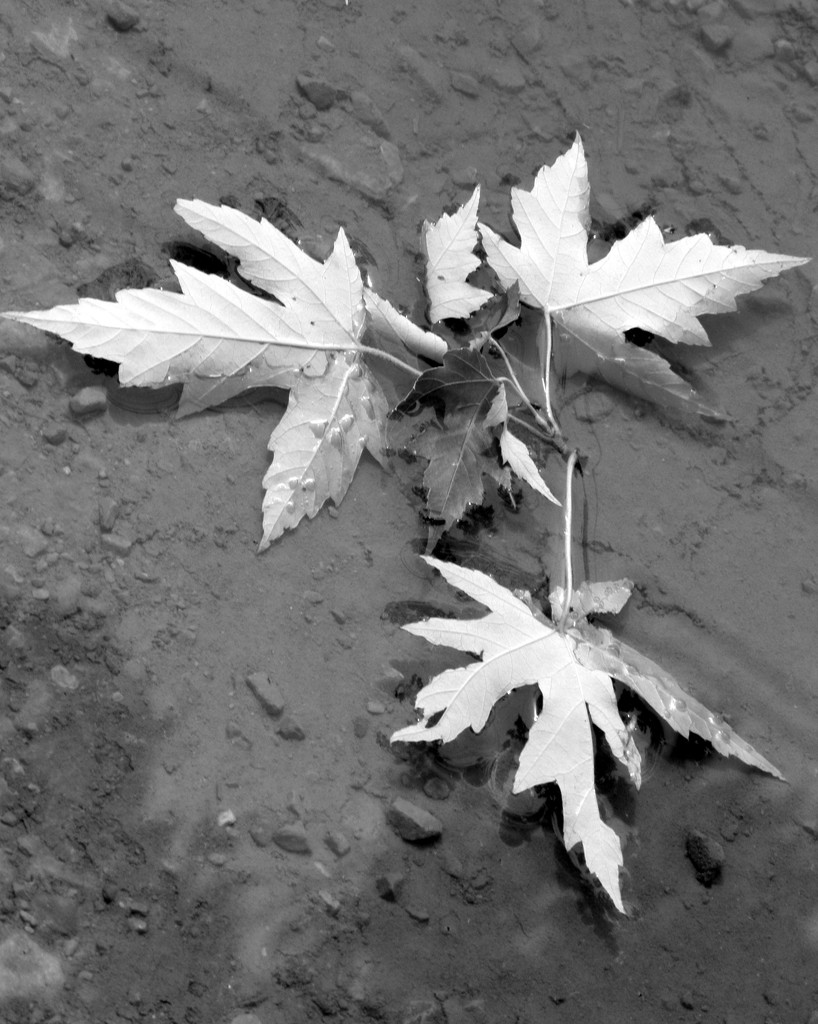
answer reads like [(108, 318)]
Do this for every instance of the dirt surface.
[(172, 851)]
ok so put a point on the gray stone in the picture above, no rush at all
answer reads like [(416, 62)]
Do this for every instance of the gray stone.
[(15, 178), (262, 828), (28, 972), (338, 843), (368, 113), (88, 402), (54, 433), (32, 541), (290, 729), (120, 16), (706, 855), (66, 595), (369, 165), (390, 885), (431, 77), (267, 693), (108, 510), (467, 84), (413, 823), (319, 92), (116, 543), (716, 38), (292, 838)]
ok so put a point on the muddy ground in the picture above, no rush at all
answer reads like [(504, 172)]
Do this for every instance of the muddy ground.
[(144, 873)]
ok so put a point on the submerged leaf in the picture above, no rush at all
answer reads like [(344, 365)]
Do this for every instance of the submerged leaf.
[(573, 669), (629, 368), (472, 413)]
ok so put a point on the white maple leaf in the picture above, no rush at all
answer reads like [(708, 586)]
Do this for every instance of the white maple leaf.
[(642, 282), (573, 668), (219, 340), (449, 245)]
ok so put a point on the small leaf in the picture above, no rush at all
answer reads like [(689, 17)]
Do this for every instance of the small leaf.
[(464, 380), (449, 245), (519, 460)]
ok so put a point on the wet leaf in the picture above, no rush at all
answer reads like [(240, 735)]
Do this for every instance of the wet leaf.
[(469, 438), (219, 341), (642, 282), (449, 245), (573, 667)]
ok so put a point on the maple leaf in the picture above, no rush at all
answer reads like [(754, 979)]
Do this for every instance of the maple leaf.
[(219, 340), (573, 666), (449, 245), (642, 282), (463, 443)]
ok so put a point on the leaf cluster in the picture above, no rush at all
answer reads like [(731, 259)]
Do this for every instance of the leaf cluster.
[(502, 314)]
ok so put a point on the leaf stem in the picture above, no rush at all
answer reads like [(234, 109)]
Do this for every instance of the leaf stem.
[(549, 425), (544, 346), (371, 351), (558, 443), (569, 569)]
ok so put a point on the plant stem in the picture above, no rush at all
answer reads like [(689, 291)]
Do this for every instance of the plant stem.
[(558, 443), (569, 569), (544, 348), (371, 351), (548, 427)]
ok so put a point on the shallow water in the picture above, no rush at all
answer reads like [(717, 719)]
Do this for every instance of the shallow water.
[(112, 855)]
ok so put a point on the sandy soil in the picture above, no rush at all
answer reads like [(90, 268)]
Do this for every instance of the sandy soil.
[(142, 781)]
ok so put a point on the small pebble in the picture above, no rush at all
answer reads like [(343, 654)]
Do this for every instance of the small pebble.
[(292, 838), (338, 843), (88, 402), (716, 38), (61, 677), (290, 729), (706, 855), (54, 433), (318, 91), (390, 885), (116, 543), (267, 693), (107, 512), (467, 84), (120, 16), (262, 829), (413, 823)]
